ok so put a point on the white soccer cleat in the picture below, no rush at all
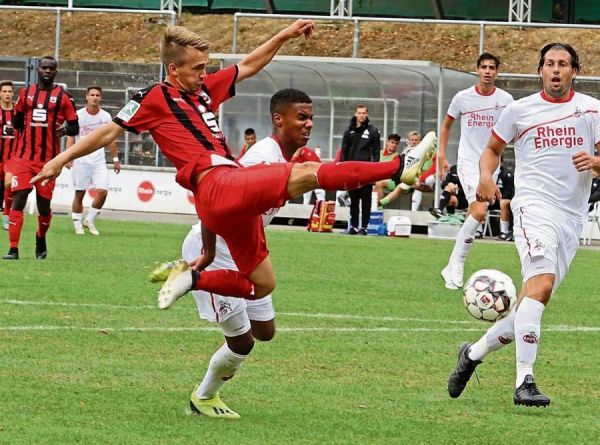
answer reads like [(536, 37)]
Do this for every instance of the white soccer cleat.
[(447, 277), (91, 227), (177, 285), (415, 158), (458, 269), (79, 230)]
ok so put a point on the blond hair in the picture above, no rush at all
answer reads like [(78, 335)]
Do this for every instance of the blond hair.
[(174, 42), (414, 133)]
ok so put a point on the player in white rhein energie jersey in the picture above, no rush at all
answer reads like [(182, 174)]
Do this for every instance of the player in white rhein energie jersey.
[(478, 108), (555, 133), (242, 321), (90, 171)]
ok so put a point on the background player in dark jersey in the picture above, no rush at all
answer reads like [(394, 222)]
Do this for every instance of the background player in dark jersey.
[(43, 113), (7, 146), (229, 200)]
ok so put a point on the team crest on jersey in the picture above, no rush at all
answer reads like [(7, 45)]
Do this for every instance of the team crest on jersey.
[(577, 113), (128, 111), (497, 106), (205, 97), (53, 100)]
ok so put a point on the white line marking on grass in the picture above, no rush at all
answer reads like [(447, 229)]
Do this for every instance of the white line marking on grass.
[(558, 328), (551, 328), (285, 314)]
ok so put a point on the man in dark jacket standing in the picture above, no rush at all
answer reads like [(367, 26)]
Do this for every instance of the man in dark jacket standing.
[(361, 142)]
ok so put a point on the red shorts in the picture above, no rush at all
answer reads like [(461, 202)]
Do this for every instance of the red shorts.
[(23, 170), (231, 201)]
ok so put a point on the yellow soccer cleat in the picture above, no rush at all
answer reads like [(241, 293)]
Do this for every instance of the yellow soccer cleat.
[(162, 271), (178, 284), (415, 158), (213, 407)]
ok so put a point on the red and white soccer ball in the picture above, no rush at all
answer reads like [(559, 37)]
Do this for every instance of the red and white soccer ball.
[(489, 294)]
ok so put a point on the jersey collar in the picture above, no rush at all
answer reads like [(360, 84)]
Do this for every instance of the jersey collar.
[(551, 99), (478, 91), (278, 141)]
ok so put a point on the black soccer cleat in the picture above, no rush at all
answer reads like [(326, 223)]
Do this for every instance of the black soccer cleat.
[(462, 373), (529, 395), (13, 254), (40, 248), (435, 212)]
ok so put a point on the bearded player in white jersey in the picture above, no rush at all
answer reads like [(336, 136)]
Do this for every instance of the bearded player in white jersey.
[(90, 171), (242, 321), (554, 134), (478, 108)]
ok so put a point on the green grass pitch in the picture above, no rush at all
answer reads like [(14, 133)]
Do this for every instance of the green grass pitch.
[(367, 336)]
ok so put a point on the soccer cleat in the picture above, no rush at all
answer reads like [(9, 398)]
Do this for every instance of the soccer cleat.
[(78, 228), (91, 227), (13, 254), (41, 252), (462, 373), (213, 407), (162, 271), (362, 231), (436, 213), (178, 284), (478, 235), (457, 271), (415, 158), (529, 395), (447, 277), (5, 222), (352, 231), (510, 237), (503, 236)]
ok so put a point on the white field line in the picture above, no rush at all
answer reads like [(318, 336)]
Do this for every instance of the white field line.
[(548, 328)]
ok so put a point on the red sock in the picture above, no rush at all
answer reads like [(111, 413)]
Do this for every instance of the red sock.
[(225, 282), (14, 228), (351, 175), (43, 225), (7, 200)]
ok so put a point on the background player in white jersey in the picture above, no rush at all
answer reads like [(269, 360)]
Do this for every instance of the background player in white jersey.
[(554, 133), (90, 171), (478, 108), (243, 321)]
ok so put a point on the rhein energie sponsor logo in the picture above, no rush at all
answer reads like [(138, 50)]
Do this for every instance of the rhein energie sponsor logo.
[(549, 137), (480, 120)]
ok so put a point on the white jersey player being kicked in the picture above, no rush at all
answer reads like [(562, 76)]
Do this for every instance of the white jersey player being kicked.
[(90, 171), (555, 133), (478, 108), (243, 321)]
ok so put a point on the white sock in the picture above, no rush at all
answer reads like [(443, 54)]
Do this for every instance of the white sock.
[(222, 367), (527, 335), (500, 334), (76, 219), (92, 214), (464, 239), (504, 226), (417, 197)]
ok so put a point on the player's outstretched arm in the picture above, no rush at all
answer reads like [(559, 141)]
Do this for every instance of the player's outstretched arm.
[(86, 145), (487, 190), (261, 56)]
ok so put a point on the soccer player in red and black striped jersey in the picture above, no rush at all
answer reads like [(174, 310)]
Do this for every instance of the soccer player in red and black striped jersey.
[(7, 146), (180, 115), (43, 113)]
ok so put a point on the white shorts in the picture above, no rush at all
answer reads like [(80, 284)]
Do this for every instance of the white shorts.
[(87, 176), (469, 180), (217, 308), (545, 234)]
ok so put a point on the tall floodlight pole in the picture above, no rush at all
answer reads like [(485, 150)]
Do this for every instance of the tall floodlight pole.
[(341, 8), (519, 11)]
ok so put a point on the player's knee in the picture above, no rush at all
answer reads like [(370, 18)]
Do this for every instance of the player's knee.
[(242, 344), (263, 331), (20, 199)]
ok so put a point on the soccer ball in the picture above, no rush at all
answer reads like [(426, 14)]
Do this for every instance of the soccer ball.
[(489, 294)]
